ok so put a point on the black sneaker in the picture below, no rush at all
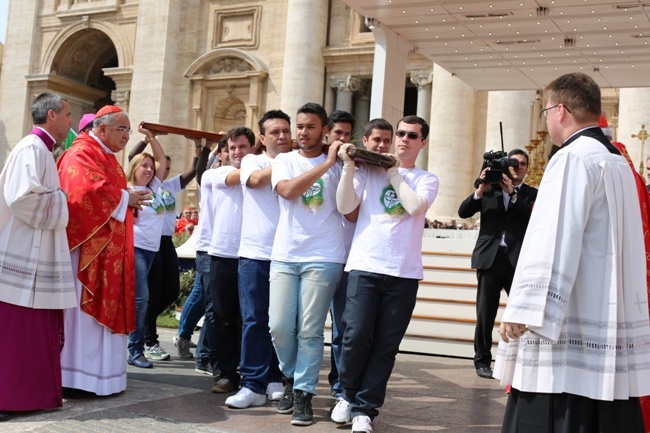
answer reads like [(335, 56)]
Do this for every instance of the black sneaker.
[(285, 405), (302, 412)]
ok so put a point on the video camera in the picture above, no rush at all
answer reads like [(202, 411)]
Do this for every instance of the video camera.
[(497, 162)]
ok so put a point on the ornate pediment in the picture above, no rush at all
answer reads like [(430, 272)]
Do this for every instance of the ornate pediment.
[(229, 65)]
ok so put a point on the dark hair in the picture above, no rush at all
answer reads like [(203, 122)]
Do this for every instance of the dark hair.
[(43, 104), (579, 93), (340, 116), (415, 120), (242, 130), (222, 143), (314, 108), (514, 152), (272, 114), (378, 123)]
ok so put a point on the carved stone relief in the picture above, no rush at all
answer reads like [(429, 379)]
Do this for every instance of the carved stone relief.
[(238, 27)]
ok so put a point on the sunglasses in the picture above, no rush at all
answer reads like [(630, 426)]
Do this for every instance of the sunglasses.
[(412, 135)]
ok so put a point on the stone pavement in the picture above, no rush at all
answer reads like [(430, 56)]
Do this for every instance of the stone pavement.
[(425, 394)]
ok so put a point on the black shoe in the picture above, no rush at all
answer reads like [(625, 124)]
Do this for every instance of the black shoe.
[(4, 416), (285, 405), (485, 372), (302, 412)]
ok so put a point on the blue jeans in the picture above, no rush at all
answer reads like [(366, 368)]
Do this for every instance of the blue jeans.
[(193, 309), (227, 317), (300, 296), (337, 306), (143, 261), (259, 363), (378, 310), (206, 348)]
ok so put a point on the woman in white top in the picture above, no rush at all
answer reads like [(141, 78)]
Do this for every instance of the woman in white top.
[(147, 228)]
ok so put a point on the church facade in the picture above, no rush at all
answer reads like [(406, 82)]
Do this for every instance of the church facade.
[(215, 64)]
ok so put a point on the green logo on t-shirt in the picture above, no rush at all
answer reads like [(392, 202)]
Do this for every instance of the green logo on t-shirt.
[(391, 203), (313, 197)]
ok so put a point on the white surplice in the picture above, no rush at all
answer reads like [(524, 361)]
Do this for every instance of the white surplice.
[(579, 285), (35, 270), (93, 358)]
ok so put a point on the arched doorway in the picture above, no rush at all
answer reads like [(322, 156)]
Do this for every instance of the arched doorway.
[(79, 64), (229, 113), (228, 88)]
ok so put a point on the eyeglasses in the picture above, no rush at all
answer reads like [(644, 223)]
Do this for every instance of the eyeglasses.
[(412, 135), (545, 110), (122, 129)]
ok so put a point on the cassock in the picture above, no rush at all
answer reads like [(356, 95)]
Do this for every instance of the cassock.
[(580, 283), (101, 242), (36, 280)]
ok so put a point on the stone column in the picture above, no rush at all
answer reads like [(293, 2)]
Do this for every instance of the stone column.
[(122, 93), (634, 111), (303, 71), (156, 53), (21, 58), (450, 142), (345, 86), (512, 109), (389, 71), (361, 111), (422, 80)]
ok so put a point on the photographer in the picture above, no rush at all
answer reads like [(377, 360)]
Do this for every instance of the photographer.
[(505, 209)]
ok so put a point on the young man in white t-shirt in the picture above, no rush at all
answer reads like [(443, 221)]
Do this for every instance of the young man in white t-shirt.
[(385, 265), (341, 124), (224, 257), (307, 259), (260, 373)]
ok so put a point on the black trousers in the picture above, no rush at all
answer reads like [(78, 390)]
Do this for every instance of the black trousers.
[(490, 282), (164, 286), (227, 315), (528, 412)]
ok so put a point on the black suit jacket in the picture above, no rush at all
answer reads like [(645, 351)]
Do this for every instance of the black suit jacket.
[(495, 221)]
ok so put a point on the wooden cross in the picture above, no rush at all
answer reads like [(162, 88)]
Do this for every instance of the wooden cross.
[(643, 136)]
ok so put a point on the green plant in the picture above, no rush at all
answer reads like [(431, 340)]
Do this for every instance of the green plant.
[(187, 283), (179, 239)]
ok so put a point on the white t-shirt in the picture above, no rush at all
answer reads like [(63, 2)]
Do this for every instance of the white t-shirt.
[(310, 228), (227, 209), (167, 193), (348, 235), (147, 227), (261, 212), (204, 228), (387, 239)]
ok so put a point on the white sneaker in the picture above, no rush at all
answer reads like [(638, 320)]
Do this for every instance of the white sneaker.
[(275, 391), (245, 398), (341, 412), (361, 424)]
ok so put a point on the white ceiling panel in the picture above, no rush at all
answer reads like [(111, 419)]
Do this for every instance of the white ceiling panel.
[(524, 44)]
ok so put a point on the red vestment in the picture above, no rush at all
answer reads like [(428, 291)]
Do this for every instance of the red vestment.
[(94, 181), (644, 201), (182, 223)]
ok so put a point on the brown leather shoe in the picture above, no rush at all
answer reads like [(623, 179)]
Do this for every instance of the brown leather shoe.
[(223, 386)]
